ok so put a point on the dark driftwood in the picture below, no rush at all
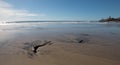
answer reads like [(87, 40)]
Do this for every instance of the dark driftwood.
[(80, 41), (37, 46)]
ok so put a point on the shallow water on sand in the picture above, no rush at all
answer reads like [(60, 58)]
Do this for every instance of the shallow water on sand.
[(100, 43), (11, 30)]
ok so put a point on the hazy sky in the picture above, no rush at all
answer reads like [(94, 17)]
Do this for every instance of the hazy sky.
[(13, 10)]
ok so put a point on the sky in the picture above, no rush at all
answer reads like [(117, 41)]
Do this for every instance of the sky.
[(33, 10)]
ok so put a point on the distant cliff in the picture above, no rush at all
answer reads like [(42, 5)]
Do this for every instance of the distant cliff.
[(110, 19)]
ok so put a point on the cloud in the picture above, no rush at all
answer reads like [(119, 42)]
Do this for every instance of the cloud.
[(9, 13), (4, 4)]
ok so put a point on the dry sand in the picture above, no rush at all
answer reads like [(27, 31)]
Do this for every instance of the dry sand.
[(65, 50)]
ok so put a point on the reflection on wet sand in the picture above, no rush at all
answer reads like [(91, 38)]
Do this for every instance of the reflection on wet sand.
[(70, 44)]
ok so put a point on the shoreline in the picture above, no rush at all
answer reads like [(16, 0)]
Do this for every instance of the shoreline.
[(99, 46)]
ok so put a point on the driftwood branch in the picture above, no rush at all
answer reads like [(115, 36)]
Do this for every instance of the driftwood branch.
[(40, 45)]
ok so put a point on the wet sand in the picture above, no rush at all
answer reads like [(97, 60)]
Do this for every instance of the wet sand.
[(66, 48)]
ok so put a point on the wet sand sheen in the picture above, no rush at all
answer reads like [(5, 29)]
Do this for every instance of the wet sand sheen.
[(67, 48)]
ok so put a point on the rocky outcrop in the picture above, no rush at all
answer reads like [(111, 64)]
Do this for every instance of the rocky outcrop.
[(110, 19)]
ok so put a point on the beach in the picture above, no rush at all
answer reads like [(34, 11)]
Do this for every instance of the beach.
[(72, 43)]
